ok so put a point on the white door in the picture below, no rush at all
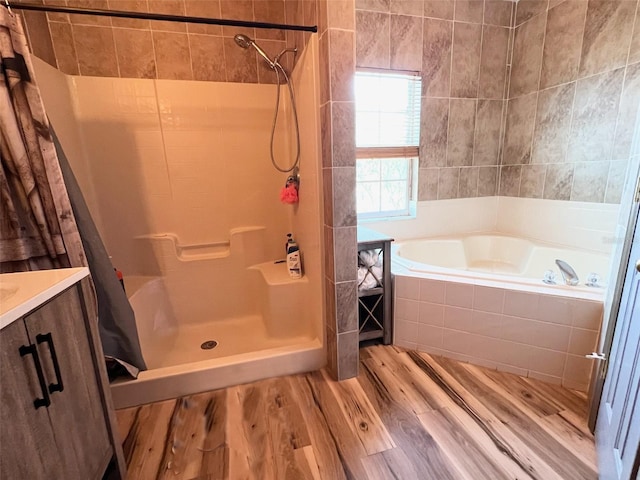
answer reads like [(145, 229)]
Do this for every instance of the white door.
[(618, 424)]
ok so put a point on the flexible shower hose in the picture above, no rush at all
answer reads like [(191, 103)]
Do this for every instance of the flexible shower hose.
[(278, 68)]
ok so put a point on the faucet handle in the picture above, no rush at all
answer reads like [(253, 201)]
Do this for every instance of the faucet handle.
[(593, 280), (549, 277)]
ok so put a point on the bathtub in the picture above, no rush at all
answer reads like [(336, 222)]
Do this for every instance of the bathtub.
[(480, 298)]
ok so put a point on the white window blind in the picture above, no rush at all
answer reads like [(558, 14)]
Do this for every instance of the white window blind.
[(387, 109)]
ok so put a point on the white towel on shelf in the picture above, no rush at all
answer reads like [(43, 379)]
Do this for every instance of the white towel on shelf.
[(369, 269)]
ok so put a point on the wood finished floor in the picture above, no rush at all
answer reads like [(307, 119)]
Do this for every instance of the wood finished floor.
[(407, 415)]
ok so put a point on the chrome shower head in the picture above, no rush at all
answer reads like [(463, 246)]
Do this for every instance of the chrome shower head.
[(246, 42)]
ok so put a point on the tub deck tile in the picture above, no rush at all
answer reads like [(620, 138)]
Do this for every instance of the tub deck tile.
[(407, 415)]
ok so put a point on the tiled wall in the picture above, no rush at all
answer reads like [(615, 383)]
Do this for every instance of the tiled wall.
[(336, 27), (113, 47), (573, 97), (461, 49), (530, 334)]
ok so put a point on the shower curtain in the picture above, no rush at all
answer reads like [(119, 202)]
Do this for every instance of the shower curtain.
[(38, 228)]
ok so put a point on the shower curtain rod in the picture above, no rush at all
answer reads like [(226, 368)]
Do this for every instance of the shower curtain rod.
[(156, 16)]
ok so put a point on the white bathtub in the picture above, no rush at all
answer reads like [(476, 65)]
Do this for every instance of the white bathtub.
[(501, 258), (480, 298)]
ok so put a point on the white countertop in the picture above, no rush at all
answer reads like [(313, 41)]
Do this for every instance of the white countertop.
[(24, 291)]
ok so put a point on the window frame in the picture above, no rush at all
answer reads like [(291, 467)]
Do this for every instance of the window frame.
[(409, 153)]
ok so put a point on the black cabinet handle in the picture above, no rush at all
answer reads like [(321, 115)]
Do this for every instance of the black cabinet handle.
[(32, 350), (47, 338)]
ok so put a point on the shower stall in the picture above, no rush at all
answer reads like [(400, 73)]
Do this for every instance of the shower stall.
[(178, 176)]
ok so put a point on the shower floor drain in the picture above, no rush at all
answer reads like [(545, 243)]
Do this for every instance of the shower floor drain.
[(209, 344)]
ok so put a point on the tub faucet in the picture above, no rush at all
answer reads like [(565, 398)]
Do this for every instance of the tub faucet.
[(568, 274)]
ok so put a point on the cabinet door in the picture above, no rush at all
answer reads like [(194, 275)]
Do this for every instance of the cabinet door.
[(76, 412), (27, 445)]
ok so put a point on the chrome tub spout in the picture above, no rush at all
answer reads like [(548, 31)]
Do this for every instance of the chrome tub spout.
[(568, 274)]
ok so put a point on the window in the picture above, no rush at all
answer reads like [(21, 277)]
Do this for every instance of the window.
[(387, 139)]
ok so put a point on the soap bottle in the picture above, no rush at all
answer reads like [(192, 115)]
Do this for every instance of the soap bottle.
[(286, 245), (294, 260)]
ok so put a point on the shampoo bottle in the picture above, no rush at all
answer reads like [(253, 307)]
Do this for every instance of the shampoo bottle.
[(294, 260)]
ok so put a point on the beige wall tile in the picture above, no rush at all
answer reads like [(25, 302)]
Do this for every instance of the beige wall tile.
[(469, 10), (342, 65), (442, 9), (431, 314), (436, 60), (498, 12), (406, 42), (487, 181), (519, 129), (527, 9), (407, 7), (173, 59), (595, 112), (510, 180), (89, 19), (532, 181), (428, 184), (374, 5), (169, 7), (627, 121), (130, 6), (634, 50), (344, 198), (493, 65), (325, 127), (468, 182), (590, 181), (96, 51), (527, 56), (448, 183), (486, 146), (205, 9), (561, 57), (134, 49), (465, 64), (340, 14), (345, 254), (343, 120), (372, 39), (64, 48), (39, 36), (346, 307), (553, 124), (434, 132), (607, 35), (347, 355), (237, 10), (462, 117), (207, 58), (557, 183), (58, 17), (615, 181), (270, 11)]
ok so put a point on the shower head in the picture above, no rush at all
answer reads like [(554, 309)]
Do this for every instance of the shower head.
[(246, 42)]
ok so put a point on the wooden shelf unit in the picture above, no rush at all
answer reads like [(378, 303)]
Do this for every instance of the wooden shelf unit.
[(375, 308)]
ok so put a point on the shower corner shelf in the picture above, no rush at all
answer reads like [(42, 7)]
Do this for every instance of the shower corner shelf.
[(375, 304)]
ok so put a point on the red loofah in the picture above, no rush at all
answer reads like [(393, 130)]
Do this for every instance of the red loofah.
[(289, 194)]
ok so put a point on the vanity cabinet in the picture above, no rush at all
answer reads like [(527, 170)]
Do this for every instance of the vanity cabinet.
[(56, 416)]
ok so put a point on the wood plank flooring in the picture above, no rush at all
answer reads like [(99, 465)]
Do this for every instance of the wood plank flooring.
[(408, 415)]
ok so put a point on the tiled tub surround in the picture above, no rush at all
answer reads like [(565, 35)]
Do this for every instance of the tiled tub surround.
[(573, 96), (531, 99), (539, 330), (539, 334), (113, 47)]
